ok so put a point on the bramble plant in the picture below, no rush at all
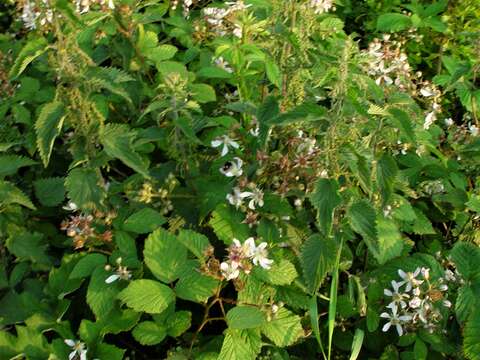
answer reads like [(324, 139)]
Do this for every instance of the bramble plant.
[(257, 179)]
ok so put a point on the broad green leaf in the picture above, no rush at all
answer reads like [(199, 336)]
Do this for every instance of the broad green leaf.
[(240, 345), (164, 255), (87, 265), (386, 173), (466, 257), (467, 300), (403, 122), (119, 321), (178, 323), (362, 216), (9, 164), (149, 333), (193, 285), (273, 72), (227, 224), (393, 22), (420, 350), (10, 194), (50, 191), (84, 187), (282, 272), (196, 243), (390, 242), (47, 127), (59, 282), (148, 296), (162, 52), (110, 352), (144, 221), (32, 50), (203, 93), (317, 259), (471, 340), (101, 296), (117, 141), (28, 246), (245, 317), (284, 329), (325, 199)]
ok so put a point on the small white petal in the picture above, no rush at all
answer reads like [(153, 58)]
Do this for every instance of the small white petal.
[(216, 143), (387, 292), (385, 315), (386, 327), (399, 330), (72, 355), (225, 150), (70, 342), (112, 278)]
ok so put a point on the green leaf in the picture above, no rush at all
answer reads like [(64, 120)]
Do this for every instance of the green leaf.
[(48, 126), (471, 340), (361, 216), (325, 199), (110, 352), (193, 285), (403, 122), (282, 272), (386, 173), (273, 72), (117, 141), (32, 50), (393, 22), (9, 164), (465, 303), (144, 221), (162, 52), (245, 317), (466, 257), (149, 333), (213, 72), (284, 329), (87, 265), (28, 246), (147, 295), (178, 323), (357, 344), (50, 191), (332, 304), (390, 243), (240, 345), (227, 224), (100, 295), (10, 194), (164, 255), (420, 350), (197, 243), (84, 187), (203, 93), (317, 259)]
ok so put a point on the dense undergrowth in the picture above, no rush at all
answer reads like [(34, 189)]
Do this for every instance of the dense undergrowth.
[(258, 179)]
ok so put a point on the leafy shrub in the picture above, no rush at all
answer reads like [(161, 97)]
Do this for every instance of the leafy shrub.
[(276, 179)]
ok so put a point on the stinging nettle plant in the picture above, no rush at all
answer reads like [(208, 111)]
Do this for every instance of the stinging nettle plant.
[(251, 179)]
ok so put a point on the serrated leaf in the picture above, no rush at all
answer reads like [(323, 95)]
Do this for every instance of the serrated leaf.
[(178, 323), (193, 285), (149, 333), (403, 122), (393, 22), (245, 317), (47, 127), (282, 272), (471, 340), (273, 72), (84, 187), (164, 255), (28, 246), (284, 329), (162, 52), (240, 345), (325, 199), (10, 194), (100, 295), (87, 265), (50, 191), (317, 259), (110, 352), (144, 221), (386, 174), (117, 141), (9, 164), (196, 243), (466, 257), (148, 296), (465, 303), (203, 93), (361, 216), (32, 50), (227, 224), (390, 243)]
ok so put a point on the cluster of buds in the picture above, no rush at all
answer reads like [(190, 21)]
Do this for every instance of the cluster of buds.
[(222, 21), (121, 272), (415, 302), (83, 228), (321, 6), (158, 197), (36, 13), (242, 257)]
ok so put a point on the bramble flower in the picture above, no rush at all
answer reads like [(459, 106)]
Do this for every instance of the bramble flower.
[(229, 271), (121, 273), (71, 206), (259, 256), (236, 199), (448, 121), (395, 320), (322, 6), (410, 278), (256, 196), (397, 297), (474, 130), (226, 141), (221, 63), (232, 168), (78, 349)]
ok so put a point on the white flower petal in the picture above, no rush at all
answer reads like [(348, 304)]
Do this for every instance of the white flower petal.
[(225, 150), (387, 292), (112, 278), (386, 327), (216, 143), (72, 355), (69, 342)]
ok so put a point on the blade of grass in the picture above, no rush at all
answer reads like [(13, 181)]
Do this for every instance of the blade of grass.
[(332, 306), (313, 310), (357, 343)]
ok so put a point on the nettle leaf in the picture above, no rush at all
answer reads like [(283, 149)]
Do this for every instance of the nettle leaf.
[(164, 255), (471, 341), (149, 333), (144, 221), (196, 243), (317, 258), (50, 191), (10, 194), (273, 72), (245, 317), (84, 187), (32, 50), (361, 216), (87, 265), (284, 329), (402, 121), (9, 164), (241, 345), (227, 224), (282, 272), (48, 126), (100, 295), (147, 295), (393, 22), (117, 141), (325, 199), (386, 174), (28, 246), (466, 257)]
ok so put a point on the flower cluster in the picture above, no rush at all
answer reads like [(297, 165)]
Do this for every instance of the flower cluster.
[(121, 272), (36, 13), (83, 6), (222, 21), (157, 196), (255, 195), (322, 6), (414, 302), (79, 351), (241, 257), (433, 95)]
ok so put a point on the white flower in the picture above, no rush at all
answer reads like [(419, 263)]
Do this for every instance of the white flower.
[(429, 120), (321, 6), (255, 131), (78, 349), (415, 303), (410, 278), (448, 121), (226, 142), (259, 255), (237, 31), (395, 320), (236, 199), (425, 273), (220, 62), (449, 275), (229, 271), (232, 168), (256, 198), (121, 273), (447, 303), (427, 92), (397, 297), (474, 130), (28, 16), (71, 206)]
